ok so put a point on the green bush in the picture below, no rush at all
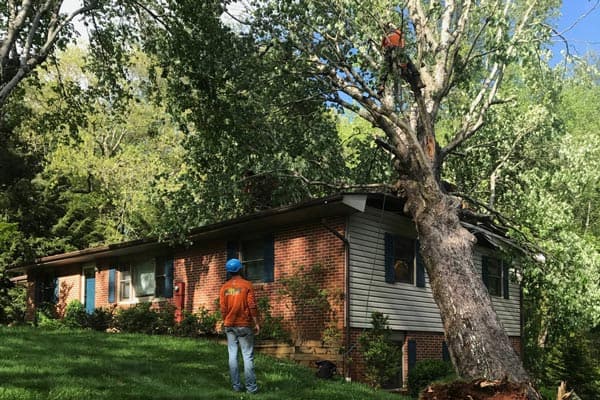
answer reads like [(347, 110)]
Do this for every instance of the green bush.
[(75, 315), (13, 304), (141, 318), (572, 360), (271, 327), (207, 321), (189, 326), (380, 353), (99, 320), (165, 320), (427, 371), (45, 317), (136, 319)]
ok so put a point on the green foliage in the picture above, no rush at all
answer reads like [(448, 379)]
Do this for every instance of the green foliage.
[(382, 357), (189, 326), (100, 319), (141, 318), (365, 161), (573, 360), (207, 321), (75, 315), (270, 327), (257, 129), (426, 372), (45, 317), (304, 289)]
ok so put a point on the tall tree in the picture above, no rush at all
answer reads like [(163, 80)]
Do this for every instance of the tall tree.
[(461, 50), (29, 32), (105, 151), (254, 137)]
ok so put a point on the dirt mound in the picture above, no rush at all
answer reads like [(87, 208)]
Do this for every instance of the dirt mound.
[(477, 390)]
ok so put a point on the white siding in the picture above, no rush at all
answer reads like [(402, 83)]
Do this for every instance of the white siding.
[(407, 306)]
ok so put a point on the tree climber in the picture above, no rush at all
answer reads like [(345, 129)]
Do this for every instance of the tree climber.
[(395, 58)]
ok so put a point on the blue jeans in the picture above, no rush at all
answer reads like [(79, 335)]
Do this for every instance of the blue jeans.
[(244, 337)]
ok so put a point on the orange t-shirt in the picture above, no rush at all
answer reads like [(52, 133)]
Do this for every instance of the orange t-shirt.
[(236, 299), (393, 39)]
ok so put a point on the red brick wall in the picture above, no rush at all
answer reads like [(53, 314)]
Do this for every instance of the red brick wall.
[(306, 246), (202, 268)]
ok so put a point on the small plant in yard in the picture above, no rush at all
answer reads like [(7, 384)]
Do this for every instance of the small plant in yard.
[(207, 321), (427, 371), (305, 291), (271, 327), (189, 326), (100, 319), (45, 317), (75, 315), (380, 354)]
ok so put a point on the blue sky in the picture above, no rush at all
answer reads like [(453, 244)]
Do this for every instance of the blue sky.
[(582, 32)]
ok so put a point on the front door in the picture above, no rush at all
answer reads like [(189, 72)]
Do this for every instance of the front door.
[(90, 290)]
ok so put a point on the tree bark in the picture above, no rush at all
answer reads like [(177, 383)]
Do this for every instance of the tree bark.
[(478, 345)]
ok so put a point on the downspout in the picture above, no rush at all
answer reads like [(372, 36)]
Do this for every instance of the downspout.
[(344, 238)]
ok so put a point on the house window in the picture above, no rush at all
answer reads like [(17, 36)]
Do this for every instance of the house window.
[(257, 256), (136, 280), (125, 283), (253, 259), (47, 290), (160, 279), (144, 278), (495, 276), (403, 262), (147, 278)]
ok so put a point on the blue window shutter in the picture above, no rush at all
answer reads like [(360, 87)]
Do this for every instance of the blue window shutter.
[(412, 353), (420, 265), (112, 274), (168, 293), (390, 273), (269, 259), (484, 270), (445, 352), (56, 290), (505, 280)]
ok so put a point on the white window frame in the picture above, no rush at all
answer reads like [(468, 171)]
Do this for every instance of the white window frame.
[(133, 281), (85, 268)]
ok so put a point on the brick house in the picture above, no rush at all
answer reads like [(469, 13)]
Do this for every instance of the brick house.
[(365, 246)]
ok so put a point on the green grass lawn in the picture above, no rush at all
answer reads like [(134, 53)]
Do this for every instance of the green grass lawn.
[(42, 364)]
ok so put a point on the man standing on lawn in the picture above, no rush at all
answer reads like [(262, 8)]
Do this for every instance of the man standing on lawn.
[(238, 308)]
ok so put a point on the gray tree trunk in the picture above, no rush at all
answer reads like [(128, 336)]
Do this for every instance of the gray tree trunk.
[(478, 344)]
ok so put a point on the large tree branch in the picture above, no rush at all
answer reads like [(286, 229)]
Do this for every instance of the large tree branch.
[(15, 23), (425, 35), (474, 118), (29, 58)]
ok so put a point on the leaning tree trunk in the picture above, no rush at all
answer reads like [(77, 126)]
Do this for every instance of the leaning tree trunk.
[(478, 344)]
